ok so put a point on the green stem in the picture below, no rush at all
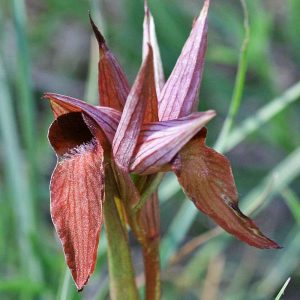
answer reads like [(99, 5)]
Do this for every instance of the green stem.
[(239, 84), (262, 116), (122, 279)]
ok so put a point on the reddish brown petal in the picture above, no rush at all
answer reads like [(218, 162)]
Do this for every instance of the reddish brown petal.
[(106, 118), (133, 114), (149, 38), (207, 179), (159, 142), (76, 190), (112, 82), (179, 95)]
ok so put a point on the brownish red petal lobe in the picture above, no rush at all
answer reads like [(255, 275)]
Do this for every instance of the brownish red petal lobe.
[(179, 95), (159, 142), (112, 82), (76, 190), (133, 114), (149, 38), (207, 179), (106, 118)]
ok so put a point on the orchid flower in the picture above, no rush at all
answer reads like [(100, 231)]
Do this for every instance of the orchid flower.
[(110, 154)]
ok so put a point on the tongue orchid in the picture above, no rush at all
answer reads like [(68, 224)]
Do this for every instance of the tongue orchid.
[(114, 151)]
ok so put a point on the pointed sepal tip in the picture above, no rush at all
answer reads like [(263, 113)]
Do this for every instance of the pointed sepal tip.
[(98, 35)]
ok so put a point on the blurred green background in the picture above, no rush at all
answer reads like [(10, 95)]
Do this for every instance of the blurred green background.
[(48, 46)]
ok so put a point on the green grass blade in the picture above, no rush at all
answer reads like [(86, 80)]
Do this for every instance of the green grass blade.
[(168, 188), (91, 89), (284, 264), (18, 184), (239, 84), (262, 116), (281, 176), (24, 86), (195, 269), (177, 231), (292, 202), (63, 293), (281, 292)]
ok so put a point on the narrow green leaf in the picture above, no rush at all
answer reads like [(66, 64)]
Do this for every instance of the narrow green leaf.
[(285, 263), (239, 84), (281, 292), (63, 293), (18, 183), (91, 88), (281, 176), (262, 116), (292, 202), (177, 231), (24, 88)]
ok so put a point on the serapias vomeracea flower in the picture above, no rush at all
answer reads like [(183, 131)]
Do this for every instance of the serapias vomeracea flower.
[(149, 128)]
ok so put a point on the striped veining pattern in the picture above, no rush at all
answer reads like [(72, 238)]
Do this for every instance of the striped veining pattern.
[(179, 95), (159, 142), (77, 190), (207, 179)]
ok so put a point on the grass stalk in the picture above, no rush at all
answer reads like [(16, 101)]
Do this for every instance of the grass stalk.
[(63, 293), (17, 181), (91, 89), (281, 292), (25, 104), (239, 84), (262, 116)]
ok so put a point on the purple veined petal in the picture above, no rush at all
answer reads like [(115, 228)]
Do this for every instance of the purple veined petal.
[(112, 82), (149, 38), (207, 178), (106, 118), (159, 142), (133, 114), (179, 95)]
